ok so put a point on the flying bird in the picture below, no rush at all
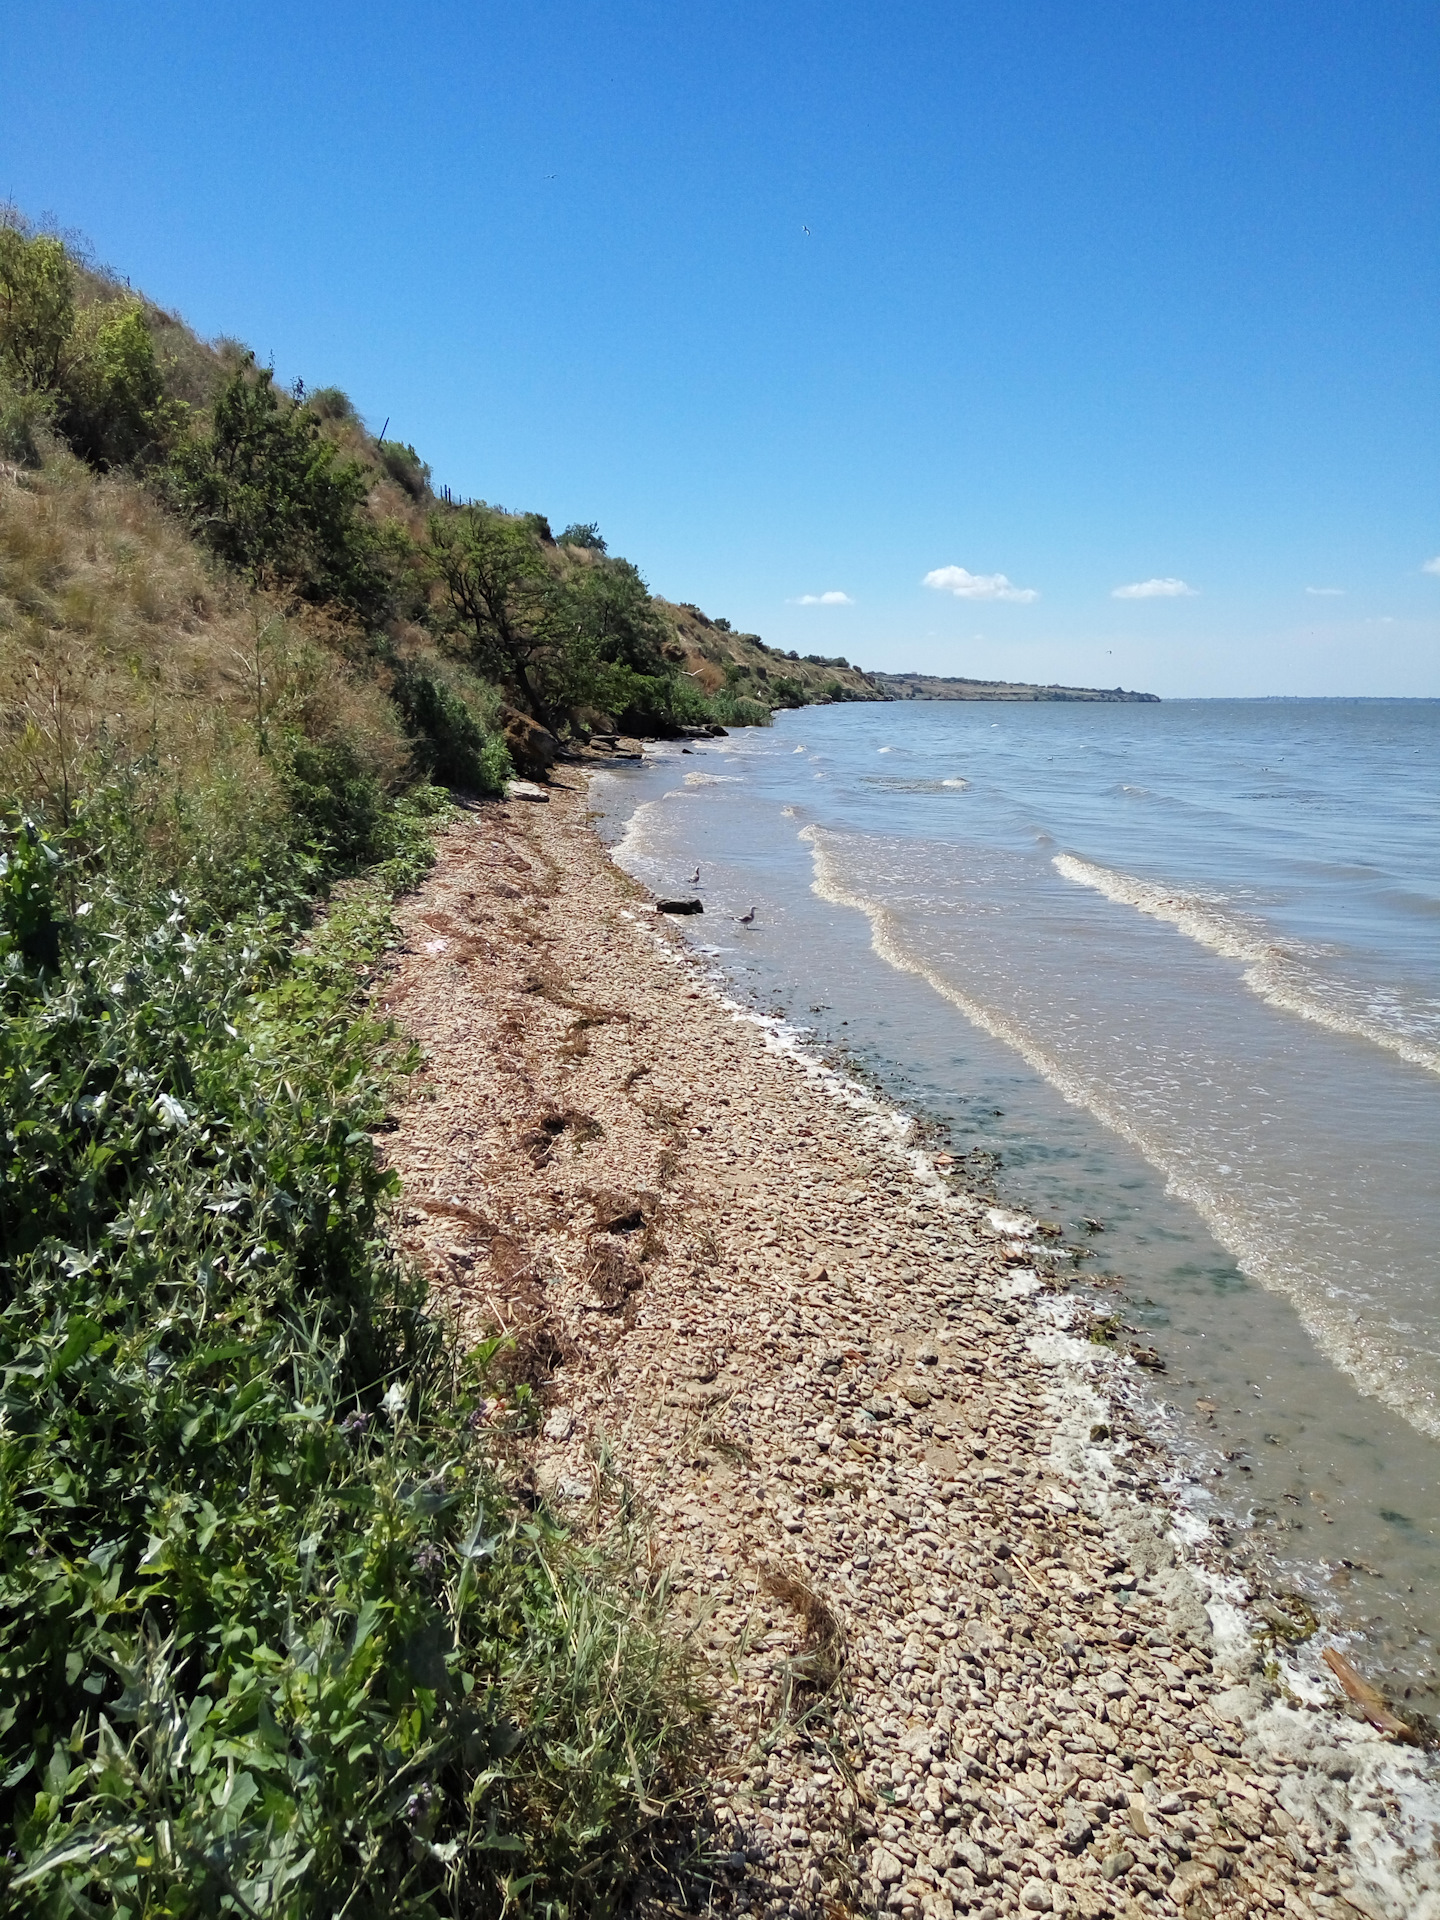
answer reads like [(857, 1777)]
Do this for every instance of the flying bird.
[(748, 919), (804, 229)]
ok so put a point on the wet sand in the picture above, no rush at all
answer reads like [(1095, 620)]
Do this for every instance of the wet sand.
[(960, 1658)]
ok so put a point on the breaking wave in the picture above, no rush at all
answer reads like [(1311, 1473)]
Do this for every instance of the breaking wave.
[(1278, 972), (1261, 1251)]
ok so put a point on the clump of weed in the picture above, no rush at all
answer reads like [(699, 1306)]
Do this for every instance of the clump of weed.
[(822, 1655)]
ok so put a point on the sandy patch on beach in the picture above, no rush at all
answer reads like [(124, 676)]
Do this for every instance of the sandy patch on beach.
[(958, 1662)]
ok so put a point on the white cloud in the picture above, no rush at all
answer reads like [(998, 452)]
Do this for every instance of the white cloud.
[(1154, 590), (1432, 566), (832, 599), (976, 586), (1326, 593)]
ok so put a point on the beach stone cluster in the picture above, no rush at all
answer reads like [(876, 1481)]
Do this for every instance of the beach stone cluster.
[(956, 1664)]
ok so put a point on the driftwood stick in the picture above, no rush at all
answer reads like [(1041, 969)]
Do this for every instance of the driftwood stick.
[(1366, 1698), (1028, 1575)]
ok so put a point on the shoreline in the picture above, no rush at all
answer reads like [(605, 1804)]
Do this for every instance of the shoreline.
[(959, 1660)]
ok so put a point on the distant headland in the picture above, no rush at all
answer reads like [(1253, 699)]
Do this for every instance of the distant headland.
[(721, 661), (930, 686)]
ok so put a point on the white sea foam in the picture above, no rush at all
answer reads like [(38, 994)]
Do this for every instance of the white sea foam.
[(909, 783), (1278, 972), (1338, 1774)]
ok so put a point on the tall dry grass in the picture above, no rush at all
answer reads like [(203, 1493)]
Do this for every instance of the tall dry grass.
[(122, 648)]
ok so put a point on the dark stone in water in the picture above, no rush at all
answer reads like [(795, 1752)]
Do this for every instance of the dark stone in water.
[(679, 906)]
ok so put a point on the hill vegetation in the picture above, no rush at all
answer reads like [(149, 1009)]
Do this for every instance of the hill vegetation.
[(723, 662), (277, 1636)]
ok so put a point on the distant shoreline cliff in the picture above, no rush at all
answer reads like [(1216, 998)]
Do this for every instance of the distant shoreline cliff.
[(929, 686)]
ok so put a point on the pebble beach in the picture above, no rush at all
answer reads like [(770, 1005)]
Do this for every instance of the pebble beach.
[(962, 1654)]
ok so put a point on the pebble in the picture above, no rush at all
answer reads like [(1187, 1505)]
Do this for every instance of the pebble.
[(926, 1695)]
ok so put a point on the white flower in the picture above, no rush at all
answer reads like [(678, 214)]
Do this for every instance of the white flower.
[(171, 1111), (393, 1405)]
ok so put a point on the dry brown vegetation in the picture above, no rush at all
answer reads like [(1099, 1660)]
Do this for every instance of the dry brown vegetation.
[(122, 648)]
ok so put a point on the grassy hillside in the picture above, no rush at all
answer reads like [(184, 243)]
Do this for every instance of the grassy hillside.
[(322, 587), (276, 1633), (719, 659)]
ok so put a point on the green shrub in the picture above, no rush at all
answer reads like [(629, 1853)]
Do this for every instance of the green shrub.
[(451, 746), (26, 418), (337, 803), (275, 501), (688, 706), (330, 403), (95, 372), (583, 533), (785, 691), (274, 1639), (733, 709), (113, 409), (37, 307), (405, 468)]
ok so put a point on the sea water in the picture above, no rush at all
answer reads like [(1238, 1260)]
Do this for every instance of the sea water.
[(1173, 970)]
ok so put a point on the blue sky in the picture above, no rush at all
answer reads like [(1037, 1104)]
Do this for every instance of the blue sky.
[(1093, 296)]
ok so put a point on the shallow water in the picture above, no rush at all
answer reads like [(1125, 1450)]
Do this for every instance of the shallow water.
[(1178, 969)]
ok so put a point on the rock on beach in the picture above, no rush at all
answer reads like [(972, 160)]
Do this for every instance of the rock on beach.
[(946, 1678)]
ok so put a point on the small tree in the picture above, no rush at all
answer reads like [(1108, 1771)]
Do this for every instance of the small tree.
[(609, 606), (114, 411), (37, 308), (501, 596), (275, 500), (583, 533), (94, 373)]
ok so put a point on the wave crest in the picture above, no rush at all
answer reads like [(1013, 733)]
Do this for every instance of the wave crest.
[(1370, 1363), (1273, 970)]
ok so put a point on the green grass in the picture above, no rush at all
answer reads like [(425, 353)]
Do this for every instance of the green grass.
[(274, 1638)]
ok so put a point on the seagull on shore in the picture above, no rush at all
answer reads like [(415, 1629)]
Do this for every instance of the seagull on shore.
[(748, 919), (695, 878)]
